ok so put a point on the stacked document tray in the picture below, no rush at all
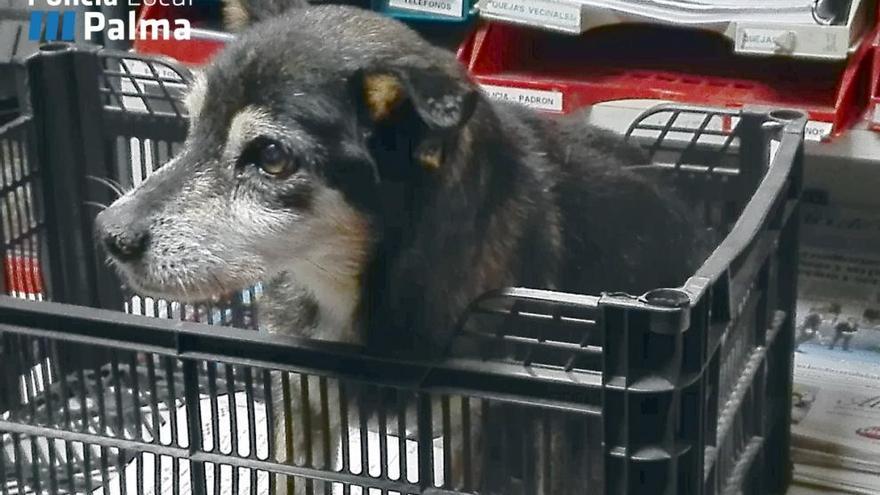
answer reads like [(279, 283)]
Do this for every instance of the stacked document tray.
[(822, 29)]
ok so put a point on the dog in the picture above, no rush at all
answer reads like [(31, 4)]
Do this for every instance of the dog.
[(361, 175)]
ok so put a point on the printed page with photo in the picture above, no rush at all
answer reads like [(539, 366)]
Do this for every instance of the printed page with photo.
[(836, 395)]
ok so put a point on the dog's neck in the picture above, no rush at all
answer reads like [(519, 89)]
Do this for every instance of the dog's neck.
[(336, 295)]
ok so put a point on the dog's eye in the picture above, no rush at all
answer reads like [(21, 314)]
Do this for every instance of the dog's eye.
[(271, 157), (274, 159)]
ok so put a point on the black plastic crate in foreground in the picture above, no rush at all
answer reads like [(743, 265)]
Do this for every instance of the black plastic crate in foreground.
[(678, 391)]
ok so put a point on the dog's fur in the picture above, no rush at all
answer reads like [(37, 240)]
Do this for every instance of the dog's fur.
[(414, 193)]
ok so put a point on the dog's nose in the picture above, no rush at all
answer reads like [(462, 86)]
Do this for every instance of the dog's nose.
[(125, 241)]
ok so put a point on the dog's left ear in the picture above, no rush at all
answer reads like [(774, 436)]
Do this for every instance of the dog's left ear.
[(444, 99), (241, 14)]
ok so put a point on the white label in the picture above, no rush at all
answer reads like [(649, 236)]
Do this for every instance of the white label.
[(448, 8), (817, 131), (757, 40), (554, 14), (814, 130), (534, 98)]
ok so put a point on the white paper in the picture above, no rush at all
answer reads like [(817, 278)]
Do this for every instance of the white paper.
[(166, 465)]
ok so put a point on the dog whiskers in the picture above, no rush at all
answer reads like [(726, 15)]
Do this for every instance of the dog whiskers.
[(111, 184), (182, 286), (100, 206)]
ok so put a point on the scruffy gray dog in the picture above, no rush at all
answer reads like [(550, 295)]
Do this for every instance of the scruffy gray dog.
[(358, 172)]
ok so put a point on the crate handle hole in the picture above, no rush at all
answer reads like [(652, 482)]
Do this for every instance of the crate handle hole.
[(55, 47), (786, 115), (667, 298)]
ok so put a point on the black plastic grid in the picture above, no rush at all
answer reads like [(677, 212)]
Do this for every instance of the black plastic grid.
[(675, 391), (561, 332), (9, 110), (134, 83), (117, 417), (21, 219)]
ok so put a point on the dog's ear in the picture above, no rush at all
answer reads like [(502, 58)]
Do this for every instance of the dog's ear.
[(443, 98), (240, 14)]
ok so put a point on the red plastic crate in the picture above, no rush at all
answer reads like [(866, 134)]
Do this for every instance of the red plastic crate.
[(656, 63), (198, 50)]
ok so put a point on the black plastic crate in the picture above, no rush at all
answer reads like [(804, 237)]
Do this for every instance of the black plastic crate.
[(676, 391)]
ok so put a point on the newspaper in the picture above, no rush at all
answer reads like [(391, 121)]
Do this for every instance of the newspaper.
[(811, 479), (836, 396)]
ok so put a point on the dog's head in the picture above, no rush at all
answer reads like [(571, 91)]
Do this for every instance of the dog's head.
[(296, 130)]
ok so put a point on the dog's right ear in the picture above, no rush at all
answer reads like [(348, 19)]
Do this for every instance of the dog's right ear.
[(240, 14), (443, 98)]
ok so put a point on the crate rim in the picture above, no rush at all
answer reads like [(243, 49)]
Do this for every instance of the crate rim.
[(201, 342), (748, 225)]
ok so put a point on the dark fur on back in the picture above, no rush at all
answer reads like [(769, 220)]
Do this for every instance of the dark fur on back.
[(542, 202)]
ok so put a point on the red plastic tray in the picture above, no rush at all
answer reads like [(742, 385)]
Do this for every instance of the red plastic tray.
[(874, 109), (198, 50), (642, 62)]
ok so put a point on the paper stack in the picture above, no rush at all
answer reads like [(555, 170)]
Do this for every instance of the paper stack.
[(836, 396)]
